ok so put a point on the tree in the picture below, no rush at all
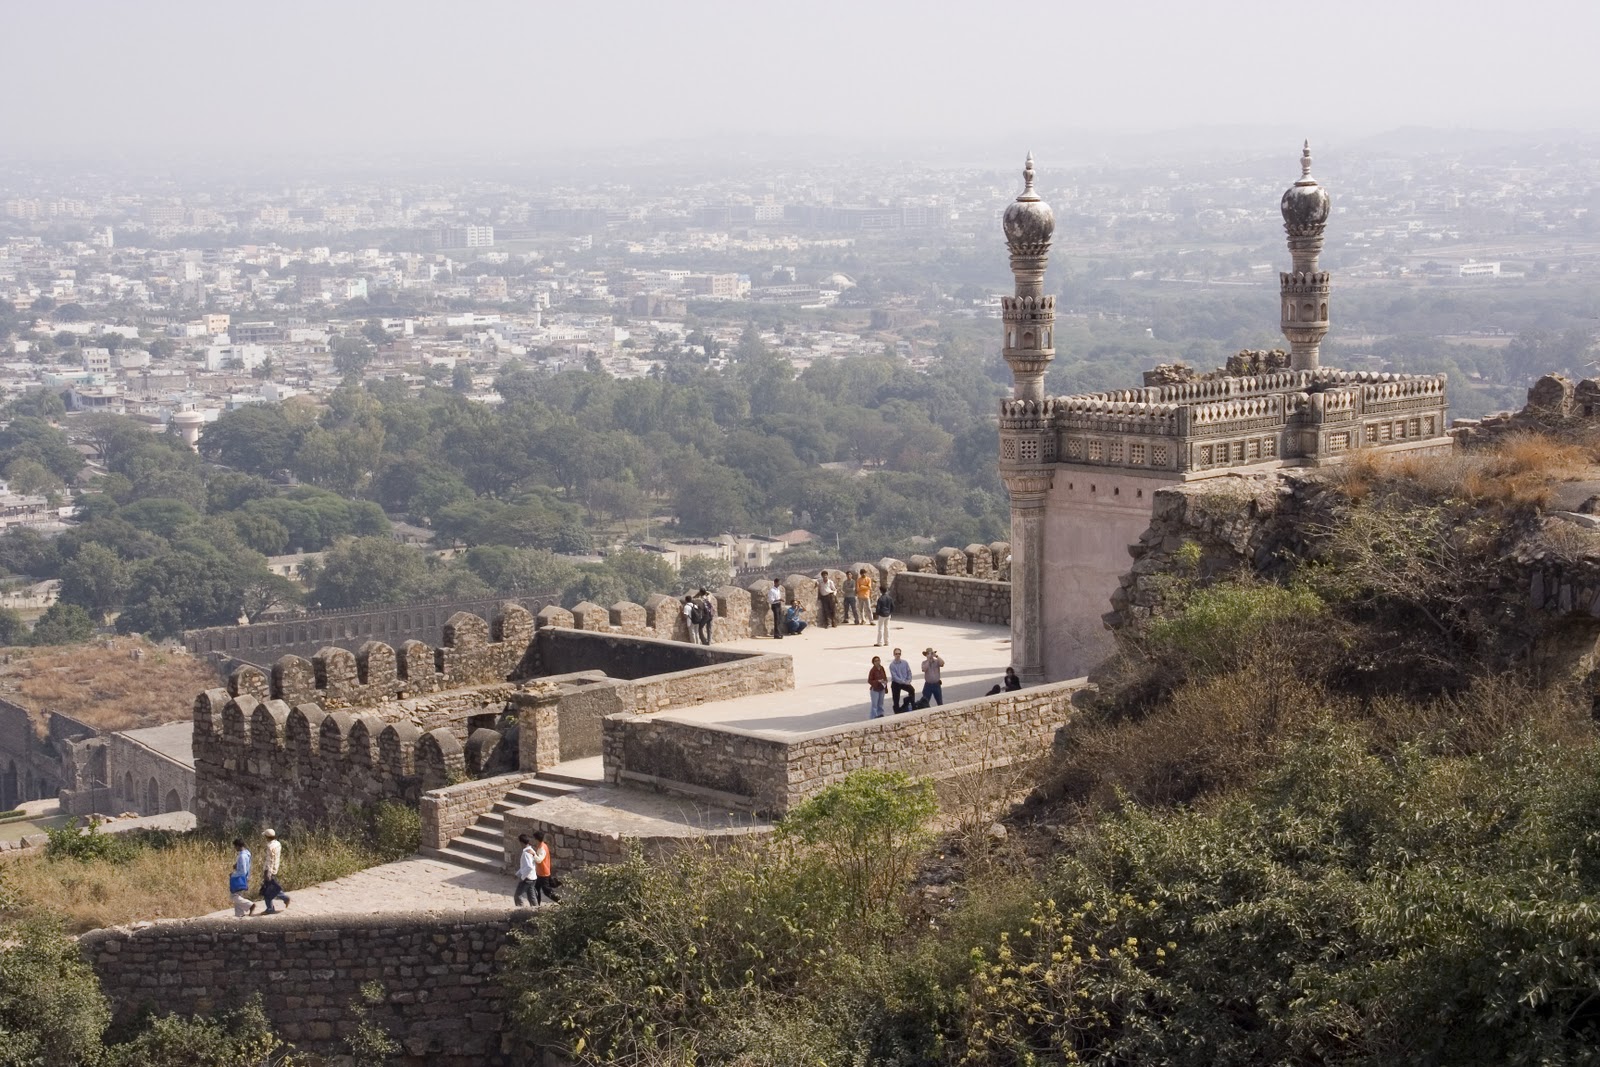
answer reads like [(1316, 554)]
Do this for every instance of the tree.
[(27, 475), (192, 584), (39, 404), (872, 826), (257, 439), (351, 355), (641, 573), (369, 570), (702, 572), (13, 631), (63, 624), (96, 579)]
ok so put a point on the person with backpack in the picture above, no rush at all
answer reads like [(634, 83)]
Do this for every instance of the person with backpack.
[(702, 615), (688, 620)]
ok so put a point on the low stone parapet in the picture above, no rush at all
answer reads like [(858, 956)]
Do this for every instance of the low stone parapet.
[(771, 774)]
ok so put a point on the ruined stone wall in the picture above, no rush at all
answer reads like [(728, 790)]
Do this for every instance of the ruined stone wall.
[(30, 766), (442, 996), (1556, 405), (143, 780), (771, 775)]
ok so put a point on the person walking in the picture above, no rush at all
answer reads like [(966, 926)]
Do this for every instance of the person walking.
[(877, 684), (828, 595), (863, 595), (775, 602), (885, 609), (239, 880), (932, 688), (527, 871), (900, 681), (270, 887), (544, 882)]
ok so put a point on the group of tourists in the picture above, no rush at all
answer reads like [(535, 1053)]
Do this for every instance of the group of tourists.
[(239, 877), (896, 681), (859, 606)]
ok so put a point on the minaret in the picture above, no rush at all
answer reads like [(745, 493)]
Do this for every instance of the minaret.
[(1027, 433), (1305, 289), (1030, 316)]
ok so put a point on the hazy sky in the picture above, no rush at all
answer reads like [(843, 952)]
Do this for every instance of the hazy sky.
[(528, 77)]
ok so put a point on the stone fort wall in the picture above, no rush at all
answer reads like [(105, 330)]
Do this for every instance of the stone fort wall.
[(310, 736), (308, 634), (442, 996)]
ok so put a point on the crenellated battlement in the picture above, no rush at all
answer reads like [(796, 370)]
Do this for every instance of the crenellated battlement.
[(472, 652)]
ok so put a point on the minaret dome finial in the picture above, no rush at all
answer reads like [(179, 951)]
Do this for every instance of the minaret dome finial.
[(1305, 160)]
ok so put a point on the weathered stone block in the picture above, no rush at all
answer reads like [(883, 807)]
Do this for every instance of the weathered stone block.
[(553, 615), (587, 615), (628, 617)]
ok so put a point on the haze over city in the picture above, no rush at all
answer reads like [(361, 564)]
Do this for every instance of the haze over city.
[(521, 81)]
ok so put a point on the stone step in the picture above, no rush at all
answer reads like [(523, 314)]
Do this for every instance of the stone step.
[(493, 820), (568, 779), (492, 836), (483, 850), (471, 861)]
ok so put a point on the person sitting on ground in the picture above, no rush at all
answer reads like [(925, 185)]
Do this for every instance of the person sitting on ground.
[(793, 623), (1013, 683)]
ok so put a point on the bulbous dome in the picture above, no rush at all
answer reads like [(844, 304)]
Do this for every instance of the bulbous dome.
[(1305, 203), (1029, 222)]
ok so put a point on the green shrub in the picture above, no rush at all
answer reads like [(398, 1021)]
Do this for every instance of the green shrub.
[(77, 841), (51, 1010), (867, 832), (241, 1038)]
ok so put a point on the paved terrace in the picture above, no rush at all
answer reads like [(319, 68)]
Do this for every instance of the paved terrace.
[(830, 673)]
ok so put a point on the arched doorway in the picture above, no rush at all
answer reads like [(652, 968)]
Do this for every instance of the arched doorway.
[(152, 799), (173, 802), (129, 797)]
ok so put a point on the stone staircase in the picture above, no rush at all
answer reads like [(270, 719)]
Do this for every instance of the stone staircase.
[(481, 846)]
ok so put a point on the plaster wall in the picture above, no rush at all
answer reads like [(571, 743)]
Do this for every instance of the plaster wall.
[(1092, 516)]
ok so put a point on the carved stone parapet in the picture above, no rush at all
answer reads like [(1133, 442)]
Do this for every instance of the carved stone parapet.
[(1303, 283), (1027, 485)]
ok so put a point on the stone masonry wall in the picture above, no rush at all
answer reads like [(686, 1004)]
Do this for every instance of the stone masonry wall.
[(774, 774), (443, 998), (942, 596), (448, 811)]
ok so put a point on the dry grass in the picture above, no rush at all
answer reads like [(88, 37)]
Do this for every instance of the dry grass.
[(106, 687), (167, 877), (1520, 471)]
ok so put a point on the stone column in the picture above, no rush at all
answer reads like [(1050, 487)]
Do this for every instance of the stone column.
[(1028, 490)]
